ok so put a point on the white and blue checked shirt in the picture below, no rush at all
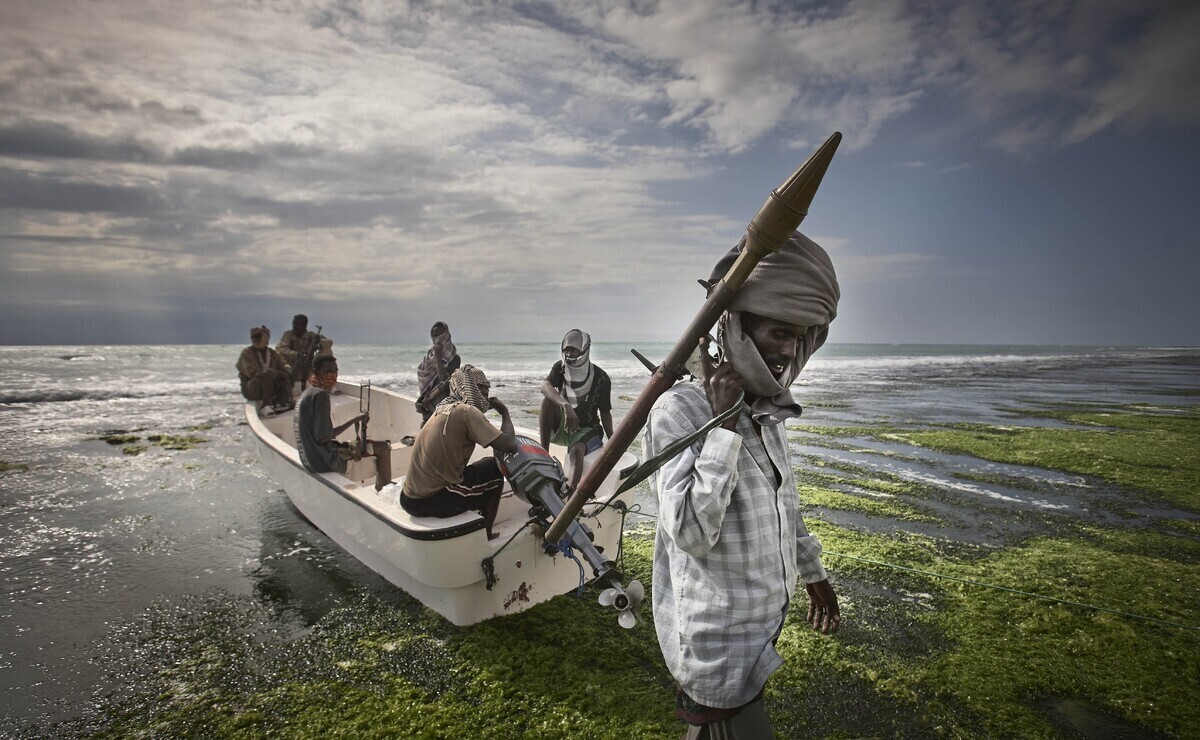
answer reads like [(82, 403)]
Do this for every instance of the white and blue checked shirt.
[(727, 551)]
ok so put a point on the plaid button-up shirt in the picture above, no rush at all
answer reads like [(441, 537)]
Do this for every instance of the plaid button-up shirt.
[(729, 546)]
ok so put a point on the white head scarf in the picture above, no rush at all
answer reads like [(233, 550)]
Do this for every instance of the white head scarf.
[(578, 372)]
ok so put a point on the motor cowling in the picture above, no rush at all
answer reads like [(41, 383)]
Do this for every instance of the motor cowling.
[(530, 468), (538, 479)]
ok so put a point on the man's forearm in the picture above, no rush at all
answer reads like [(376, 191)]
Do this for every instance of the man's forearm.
[(552, 394)]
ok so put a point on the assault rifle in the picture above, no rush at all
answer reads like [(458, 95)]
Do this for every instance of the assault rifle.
[(364, 407), (304, 362), (381, 449)]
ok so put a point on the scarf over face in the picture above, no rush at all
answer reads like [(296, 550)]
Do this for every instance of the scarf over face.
[(326, 381), (578, 372), (464, 388), (796, 285), (427, 371)]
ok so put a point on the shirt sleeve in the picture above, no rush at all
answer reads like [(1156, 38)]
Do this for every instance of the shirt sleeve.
[(246, 364), (321, 423), (808, 556), (604, 392), (556, 376), (694, 487), (479, 429)]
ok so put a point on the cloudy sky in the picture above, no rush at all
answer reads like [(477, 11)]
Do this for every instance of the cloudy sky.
[(1012, 171)]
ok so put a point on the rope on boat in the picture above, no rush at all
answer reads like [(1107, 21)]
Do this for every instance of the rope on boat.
[(564, 546), (1030, 594), (488, 563), (625, 510)]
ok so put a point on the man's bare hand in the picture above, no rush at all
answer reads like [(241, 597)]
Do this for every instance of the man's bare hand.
[(498, 405), (570, 419), (722, 384), (823, 612)]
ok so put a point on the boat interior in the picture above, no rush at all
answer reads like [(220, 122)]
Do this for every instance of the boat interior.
[(393, 418)]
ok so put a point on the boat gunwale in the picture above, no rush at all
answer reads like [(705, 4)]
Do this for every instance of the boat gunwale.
[(280, 447), (265, 435)]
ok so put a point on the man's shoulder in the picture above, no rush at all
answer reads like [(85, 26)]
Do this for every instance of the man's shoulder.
[(465, 413), (313, 393), (687, 398), (469, 420)]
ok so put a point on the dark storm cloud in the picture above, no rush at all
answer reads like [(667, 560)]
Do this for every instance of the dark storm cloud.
[(34, 139), (81, 241), (534, 155), (20, 189)]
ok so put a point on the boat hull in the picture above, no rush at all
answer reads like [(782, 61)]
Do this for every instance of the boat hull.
[(448, 564)]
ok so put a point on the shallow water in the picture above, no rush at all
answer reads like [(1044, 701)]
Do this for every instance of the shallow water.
[(93, 541)]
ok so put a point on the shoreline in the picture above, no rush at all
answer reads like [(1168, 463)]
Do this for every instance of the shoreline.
[(917, 655)]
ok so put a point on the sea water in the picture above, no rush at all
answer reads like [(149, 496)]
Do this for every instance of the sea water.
[(92, 537)]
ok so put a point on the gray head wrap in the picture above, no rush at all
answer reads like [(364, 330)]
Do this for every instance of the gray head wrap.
[(796, 285)]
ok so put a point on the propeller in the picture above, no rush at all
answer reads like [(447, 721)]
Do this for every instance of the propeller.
[(625, 600)]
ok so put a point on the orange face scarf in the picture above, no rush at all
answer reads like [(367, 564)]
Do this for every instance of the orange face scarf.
[(325, 381)]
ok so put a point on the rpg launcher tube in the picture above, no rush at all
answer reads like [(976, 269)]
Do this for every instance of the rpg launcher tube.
[(779, 216)]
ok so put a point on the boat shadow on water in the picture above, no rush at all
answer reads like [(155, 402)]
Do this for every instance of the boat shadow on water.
[(303, 575)]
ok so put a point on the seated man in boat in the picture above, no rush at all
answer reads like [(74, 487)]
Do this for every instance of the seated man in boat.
[(577, 400), (264, 375), (440, 483), (298, 346), (316, 436), (434, 371)]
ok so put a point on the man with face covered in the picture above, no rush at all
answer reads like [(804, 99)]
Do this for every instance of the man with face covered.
[(730, 542), (577, 400), (441, 359), (440, 482)]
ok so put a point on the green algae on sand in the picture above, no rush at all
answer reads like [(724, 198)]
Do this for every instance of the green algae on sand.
[(119, 438), (176, 441), (1005, 661), (390, 668), (1151, 452), (919, 654)]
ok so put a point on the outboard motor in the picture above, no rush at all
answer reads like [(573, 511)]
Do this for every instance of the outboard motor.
[(537, 478)]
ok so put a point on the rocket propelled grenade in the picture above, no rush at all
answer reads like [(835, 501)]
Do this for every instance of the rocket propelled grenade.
[(782, 212), (767, 232)]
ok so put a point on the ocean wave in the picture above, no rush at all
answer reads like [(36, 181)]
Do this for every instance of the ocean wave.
[(78, 358), (66, 395)]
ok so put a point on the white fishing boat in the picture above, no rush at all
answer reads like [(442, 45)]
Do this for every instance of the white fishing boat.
[(450, 564)]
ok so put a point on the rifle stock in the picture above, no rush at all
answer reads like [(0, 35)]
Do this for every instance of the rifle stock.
[(783, 211)]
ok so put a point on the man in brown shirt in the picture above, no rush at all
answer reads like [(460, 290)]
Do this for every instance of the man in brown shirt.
[(264, 375), (440, 483)]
